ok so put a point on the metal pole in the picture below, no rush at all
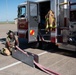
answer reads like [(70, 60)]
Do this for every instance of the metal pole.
[(6, 12)]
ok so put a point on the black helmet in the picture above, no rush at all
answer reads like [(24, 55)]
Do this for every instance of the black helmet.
[(10, 32)]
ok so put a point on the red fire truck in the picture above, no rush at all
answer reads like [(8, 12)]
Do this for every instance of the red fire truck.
[(31, 22)]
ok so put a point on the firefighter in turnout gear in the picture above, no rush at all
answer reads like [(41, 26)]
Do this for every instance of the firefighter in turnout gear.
[(50, 21), (11, 42)]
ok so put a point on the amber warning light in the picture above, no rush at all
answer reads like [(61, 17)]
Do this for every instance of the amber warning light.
[(32, 32)]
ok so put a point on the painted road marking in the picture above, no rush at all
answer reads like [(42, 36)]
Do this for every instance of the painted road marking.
[(42, 53), (16, 63), (10, 65)]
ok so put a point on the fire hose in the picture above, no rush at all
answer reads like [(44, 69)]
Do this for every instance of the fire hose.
[(46, 70)]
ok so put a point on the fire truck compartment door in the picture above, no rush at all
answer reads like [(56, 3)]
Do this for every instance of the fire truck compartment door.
[(33, 21)]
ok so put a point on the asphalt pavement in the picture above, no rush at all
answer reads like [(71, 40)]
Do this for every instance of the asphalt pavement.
[(60, 61)]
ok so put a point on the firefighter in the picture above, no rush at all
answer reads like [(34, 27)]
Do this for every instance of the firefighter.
[(50, 20), (11, 42)]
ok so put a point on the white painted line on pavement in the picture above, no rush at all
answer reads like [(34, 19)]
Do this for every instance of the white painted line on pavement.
[(8, 66), (42, 53)]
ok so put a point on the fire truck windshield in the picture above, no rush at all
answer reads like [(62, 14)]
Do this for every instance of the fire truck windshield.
[(21, 11)]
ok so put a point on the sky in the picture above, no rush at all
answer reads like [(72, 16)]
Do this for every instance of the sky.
[(8, 9)]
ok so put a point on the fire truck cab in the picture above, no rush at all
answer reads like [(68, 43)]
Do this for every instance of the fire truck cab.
[(31, 22)]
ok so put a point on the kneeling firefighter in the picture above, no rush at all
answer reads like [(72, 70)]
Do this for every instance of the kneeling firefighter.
[(11, 42)]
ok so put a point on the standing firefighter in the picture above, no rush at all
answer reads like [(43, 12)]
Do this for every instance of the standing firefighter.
[(11, 42), (50, 21)]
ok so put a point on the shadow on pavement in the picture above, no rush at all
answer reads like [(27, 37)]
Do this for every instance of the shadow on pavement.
[(2, 40), (23, 44), (54, 49), (46, 47)]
